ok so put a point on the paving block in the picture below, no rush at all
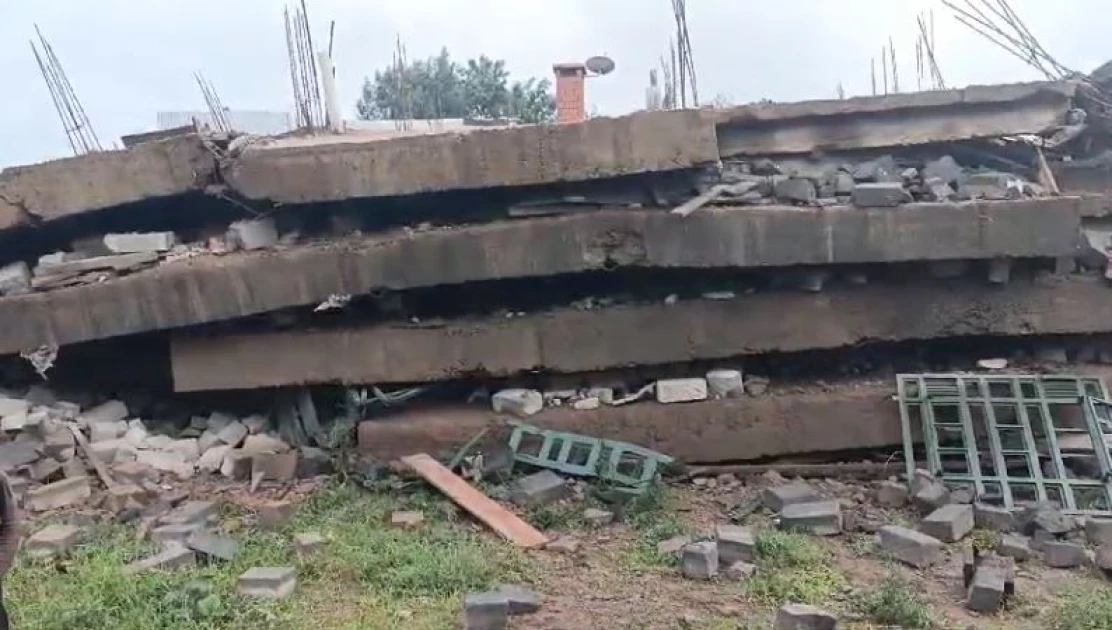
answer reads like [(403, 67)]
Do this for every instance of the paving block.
[(739, 570), (909, 546), (986, 593), (735, 544), (677, 390), (994, 517), (597, 517), (540, 488), (53, 539), (776, 498), (275, 514), (821, 518), (725, 384), (59, 494), (173, 556), (175, 532), (1063, 555), (699, 561), (804, 617), (892, 494), (406, 519), (136, 242), (210, 546), (1014, 546), (949, 523), (267, 582), (880, 195), (522, 601), (1098, 531), (521, 403), (486, 611), (307, 544)]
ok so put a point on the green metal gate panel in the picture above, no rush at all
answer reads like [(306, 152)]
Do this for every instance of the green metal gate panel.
[(1012, 438)]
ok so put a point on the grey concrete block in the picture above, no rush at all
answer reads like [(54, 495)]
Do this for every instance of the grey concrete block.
[(1014, 546), (776, 498), (1098, 531), (1063, 555), (945, 168), (486, 611), (1046, 517), (735, 543), (678, 390), (1103, 558), (212, 546), (930, 496), (517, 402), (190, 512), (173, 556), (175, 532), (307, 544), (59, 494), (110, 411), (135, 242), (986, 593), (949, 523), (880, 195), (521, 600), (275, 466), (739, 570), (233, 434), (539, 488), (725, 384), (909, 546), (994, 517), (267, 582), (794, 189), (105, 431), (237, 465), (892, 494), (821, 518), (53, 539), (275, 514), (699, 561), (255, 234), (804, 617)]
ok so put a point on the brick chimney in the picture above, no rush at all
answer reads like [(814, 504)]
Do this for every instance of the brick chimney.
[(571, 106)]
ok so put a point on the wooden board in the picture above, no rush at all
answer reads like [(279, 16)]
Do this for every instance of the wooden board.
[(482, 507)]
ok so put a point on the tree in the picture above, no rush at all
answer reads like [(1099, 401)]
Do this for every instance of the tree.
[(438, 87)]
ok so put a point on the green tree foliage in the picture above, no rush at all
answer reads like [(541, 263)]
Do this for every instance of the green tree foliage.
[(438, 87)]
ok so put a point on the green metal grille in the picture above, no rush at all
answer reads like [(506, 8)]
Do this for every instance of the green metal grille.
[(1012, 439)]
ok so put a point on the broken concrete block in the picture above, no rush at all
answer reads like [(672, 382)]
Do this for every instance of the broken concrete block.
[(233, 434), (157, 442), (15, 278), (255, 234), (256, 424), (52, 540), (307, 544), (267, 582), (173, 556), (794, 189), (106, 451), (123, 495), (880, 195), (539, 488), (804, 617), (517, 402), (218, 420), (175, 532), (1045, 517), (1063, 555), (892, 494), (14, 455), (111, 411), (213, 458), (406, 519), (949, 523), (313, 462), (930, 496), (275, 514), (821, 518), (1014, 546), (994, 517), (191, 512), (237, 465), (186, 448), (1098, 531), (776, 498), (206, 441), (699, 561), (104, 431), (909, 546), (135, 242), (275, 466), (211, 546), (486, 611), (735, 543), (739, 570), (675, 390), (725, 384), (263, 443), (673, 545), (45, 470), (165, 461), (597, 517), (522, 601), (986, 593), (59, 494), (134, 473), (136, 434), (945, 169)]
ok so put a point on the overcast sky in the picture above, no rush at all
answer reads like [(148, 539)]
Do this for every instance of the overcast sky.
[(128, 59)]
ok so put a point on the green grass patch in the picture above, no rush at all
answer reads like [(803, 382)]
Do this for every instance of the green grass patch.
[(367, 575), (894, 603), (653, 517), (1081, 607), (792, 567), (984, 540)]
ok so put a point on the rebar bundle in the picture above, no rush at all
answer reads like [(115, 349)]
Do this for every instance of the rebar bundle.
[(308, 105), (78, 129)]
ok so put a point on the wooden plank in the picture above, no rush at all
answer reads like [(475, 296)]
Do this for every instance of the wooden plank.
[(482, 507)]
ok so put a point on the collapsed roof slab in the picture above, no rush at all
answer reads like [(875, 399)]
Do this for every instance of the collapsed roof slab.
[(572, 341), (850, 416), (62, 188), (209, 289), (868, 122), (346, 167)]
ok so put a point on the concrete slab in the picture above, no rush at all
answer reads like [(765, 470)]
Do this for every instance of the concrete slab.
[(209, 289), (352, 167), (712, 431), (573, 341)]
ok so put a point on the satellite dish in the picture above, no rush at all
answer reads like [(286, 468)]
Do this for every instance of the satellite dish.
[(600, 64)]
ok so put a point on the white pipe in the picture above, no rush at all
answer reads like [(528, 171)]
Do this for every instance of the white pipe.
[(331, 100)]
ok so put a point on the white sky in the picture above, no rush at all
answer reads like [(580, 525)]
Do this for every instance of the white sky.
[(128, 59)]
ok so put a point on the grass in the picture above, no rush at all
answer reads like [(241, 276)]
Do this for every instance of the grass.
[(984, 540), (653, 517), (369, 575), (792, 567), (1081, 607), (894, 603)]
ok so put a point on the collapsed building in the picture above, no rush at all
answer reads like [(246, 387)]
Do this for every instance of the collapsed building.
[(718, 285)]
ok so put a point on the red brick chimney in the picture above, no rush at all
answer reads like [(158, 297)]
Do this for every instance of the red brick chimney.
[(571, 106)]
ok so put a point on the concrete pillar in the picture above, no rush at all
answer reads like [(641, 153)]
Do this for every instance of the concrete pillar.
[(331, 99)]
